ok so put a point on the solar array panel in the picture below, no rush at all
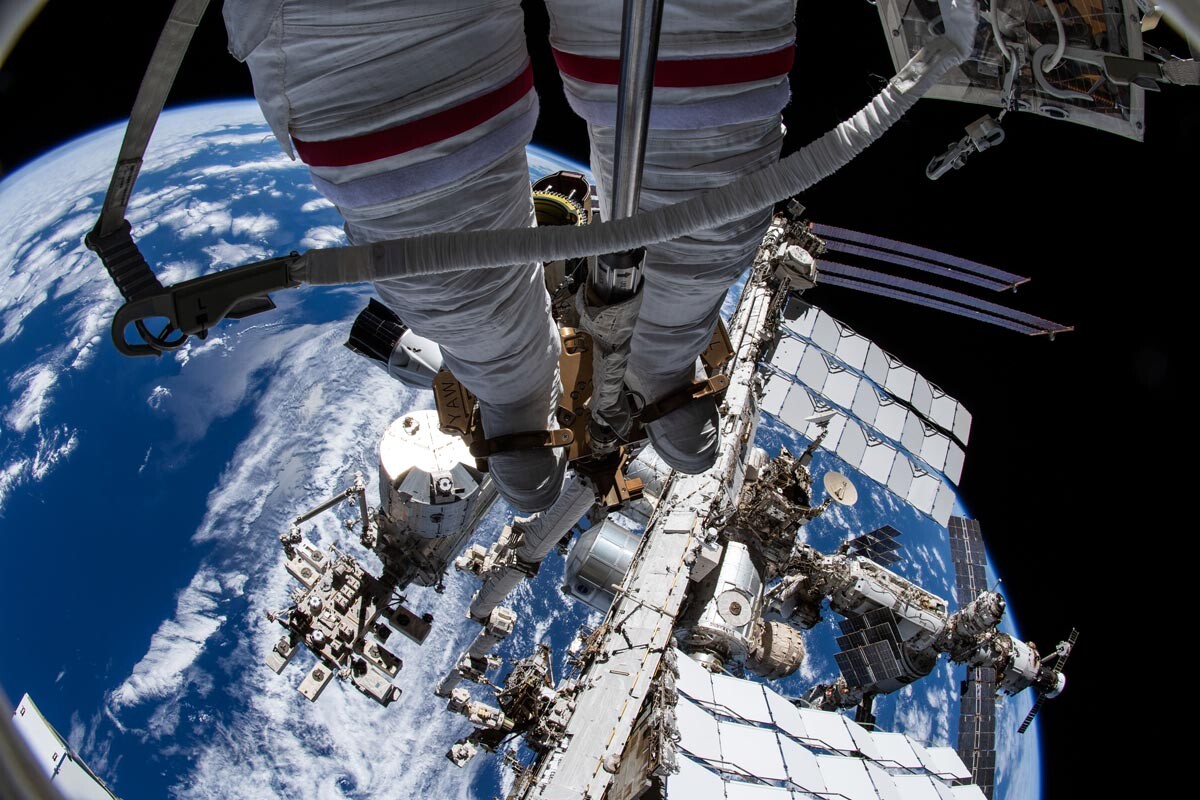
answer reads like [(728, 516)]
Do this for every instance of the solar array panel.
[(865, 251), (997, 313), (977, 728), (912, 481), (891, 377), (969, 557), (870, 648), (1004, 280), (879, 545), (977, 710)]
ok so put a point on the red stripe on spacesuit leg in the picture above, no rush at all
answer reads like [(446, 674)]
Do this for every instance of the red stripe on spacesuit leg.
[(684, 73), (417, 133)]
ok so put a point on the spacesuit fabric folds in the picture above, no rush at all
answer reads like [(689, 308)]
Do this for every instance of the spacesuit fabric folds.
[(413, 118)]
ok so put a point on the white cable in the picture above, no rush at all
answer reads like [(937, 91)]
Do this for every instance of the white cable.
[(453, 252), (1062, 37), (993, 13)]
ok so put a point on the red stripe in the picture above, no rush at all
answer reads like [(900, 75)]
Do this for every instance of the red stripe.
[(684, 73), (419, 132)]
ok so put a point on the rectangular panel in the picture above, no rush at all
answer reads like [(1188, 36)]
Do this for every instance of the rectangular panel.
[(813, 370), (943, 409), (916, 787), (879, 460), (962, 423), (841, 386), (799, 317), (802, 767), (694, 680), (884, 785), (913, 434), (751, 751), (954, 463), (787, 716), (866, 403), (853, 445), (774, 394), (852, 349), (943, 506), (878, 364), (895, 750), (826, 333), (787, 354), (847, 778), (934, 448), (968, 792), (923, 492), (698, 731), (827, 728), (922, 395), (693, 781), (742, 698), (797, 407), (900, 380), (947, 762), (862, 739), (891, 417)]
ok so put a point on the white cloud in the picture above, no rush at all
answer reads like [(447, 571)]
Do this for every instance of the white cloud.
[(163, 672), (224, 254), (157, 397), (35, 385), (257, 225), (323, 236), (316, 204)]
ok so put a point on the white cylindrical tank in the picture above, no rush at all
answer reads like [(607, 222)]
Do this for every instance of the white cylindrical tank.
[(428, 484), (598, 561)]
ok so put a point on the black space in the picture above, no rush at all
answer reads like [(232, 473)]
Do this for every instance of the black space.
[(1070, 446)]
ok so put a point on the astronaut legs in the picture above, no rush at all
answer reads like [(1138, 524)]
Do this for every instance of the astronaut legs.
[(414, 119), (720, 84)]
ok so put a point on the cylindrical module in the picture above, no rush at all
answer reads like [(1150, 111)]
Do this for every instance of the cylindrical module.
[(428, 484), (598, 561), (719, 621)]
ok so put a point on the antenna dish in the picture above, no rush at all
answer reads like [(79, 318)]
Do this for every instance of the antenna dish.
[(840, 488), (821, 417)]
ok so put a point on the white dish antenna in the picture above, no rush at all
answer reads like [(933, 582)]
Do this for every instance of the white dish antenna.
[(840, 488)]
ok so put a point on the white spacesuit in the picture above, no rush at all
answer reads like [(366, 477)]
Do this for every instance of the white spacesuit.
[(413, 117)]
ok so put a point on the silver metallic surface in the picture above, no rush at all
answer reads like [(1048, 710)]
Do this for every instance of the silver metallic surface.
[(598, 562)]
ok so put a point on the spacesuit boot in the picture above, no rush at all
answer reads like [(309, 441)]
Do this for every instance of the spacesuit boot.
[(720, 83), (413, 119)]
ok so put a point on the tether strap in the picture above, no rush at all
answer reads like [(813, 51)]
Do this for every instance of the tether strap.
[(110, 238), (681, 397), (529, 440)]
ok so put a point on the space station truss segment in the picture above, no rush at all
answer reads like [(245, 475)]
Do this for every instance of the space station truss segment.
[(895, 382), (883, 462), (742, 739)]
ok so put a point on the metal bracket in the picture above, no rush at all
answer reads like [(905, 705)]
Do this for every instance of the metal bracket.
[(193, 307), (681, 397), (484, 448)]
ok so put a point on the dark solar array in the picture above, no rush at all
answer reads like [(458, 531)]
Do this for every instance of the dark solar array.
[(879, 545), (870, 648), (977, 710)]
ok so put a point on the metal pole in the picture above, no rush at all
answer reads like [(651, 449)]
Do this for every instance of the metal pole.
[(616, 278)]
